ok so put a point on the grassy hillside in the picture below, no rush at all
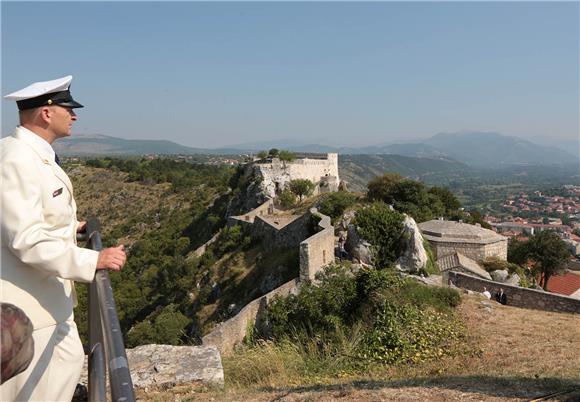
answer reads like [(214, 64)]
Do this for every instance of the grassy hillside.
[(510, 354)]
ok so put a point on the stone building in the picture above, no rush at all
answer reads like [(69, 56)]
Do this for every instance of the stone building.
[(473, 241), (320, 169)]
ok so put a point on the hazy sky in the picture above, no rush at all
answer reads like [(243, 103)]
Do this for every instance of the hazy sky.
[(213, 74)]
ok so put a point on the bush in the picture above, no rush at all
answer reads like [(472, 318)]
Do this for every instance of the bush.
[(396, 320), (287, 198), (334, 204), (382, 227), (286, 156), (301, 187)]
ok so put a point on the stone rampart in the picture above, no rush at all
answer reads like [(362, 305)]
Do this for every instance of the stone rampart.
[(317, 251), (475, 251), (276, 174), (228, 333), (249, 217), (273, 237), (519, 297)]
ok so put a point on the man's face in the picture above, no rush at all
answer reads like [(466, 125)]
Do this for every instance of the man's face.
[(62, 119)]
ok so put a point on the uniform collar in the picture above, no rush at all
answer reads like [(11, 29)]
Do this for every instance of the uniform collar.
[(37, 141)]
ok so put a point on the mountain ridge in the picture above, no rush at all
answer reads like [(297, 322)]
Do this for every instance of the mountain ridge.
[(479, 149)]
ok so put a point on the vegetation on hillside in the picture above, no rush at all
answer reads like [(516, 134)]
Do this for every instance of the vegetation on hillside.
[(544, 252), (346, 322)]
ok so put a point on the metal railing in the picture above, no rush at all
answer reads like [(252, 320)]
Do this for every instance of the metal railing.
[(105, 338)]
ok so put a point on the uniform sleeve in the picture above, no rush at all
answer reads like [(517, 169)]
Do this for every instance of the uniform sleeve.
[(32, 240)]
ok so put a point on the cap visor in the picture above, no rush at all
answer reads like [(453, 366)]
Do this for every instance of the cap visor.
[(71, 103)]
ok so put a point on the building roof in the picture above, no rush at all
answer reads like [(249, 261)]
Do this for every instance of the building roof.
[(458, 232), (456, 260), (565, 284)]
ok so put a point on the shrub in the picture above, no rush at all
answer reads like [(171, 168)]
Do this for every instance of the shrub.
[(396, 320), (286, 156), (382, 227), (287, 198), (334, 204), (301, 187)]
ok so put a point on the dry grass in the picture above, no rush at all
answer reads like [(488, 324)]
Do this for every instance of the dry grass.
[(512, 355)]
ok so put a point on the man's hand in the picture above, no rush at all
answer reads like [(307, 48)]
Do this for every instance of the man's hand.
[(82, 227), (112, 258)]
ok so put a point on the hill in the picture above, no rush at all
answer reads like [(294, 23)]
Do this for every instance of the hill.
[(511, 355), (358, 170), (97, 144)]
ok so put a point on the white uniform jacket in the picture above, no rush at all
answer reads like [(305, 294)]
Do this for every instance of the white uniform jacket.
[(39, 257)]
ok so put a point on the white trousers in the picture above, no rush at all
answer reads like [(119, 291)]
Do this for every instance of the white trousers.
[(55, 368)]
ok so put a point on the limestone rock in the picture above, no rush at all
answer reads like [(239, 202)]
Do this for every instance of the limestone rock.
[(166, 365), (357, 247), (499, 275), (345, 220), (415, 257), (513, 279)]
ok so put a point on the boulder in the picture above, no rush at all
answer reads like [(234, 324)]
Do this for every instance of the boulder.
[(513, 279), (500, 275), (344, 222), (415, 256), (167, 365), (358, 248)]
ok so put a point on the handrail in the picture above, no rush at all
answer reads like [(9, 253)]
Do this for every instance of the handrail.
[(105, 333)]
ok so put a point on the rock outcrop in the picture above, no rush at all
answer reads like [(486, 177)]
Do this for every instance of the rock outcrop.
[(166, 365), (358, 248), (415, 256)]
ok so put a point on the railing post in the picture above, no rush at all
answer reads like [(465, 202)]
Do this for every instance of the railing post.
[(105, 335)]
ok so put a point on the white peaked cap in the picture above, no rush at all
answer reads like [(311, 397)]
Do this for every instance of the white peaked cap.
[(41, 88)]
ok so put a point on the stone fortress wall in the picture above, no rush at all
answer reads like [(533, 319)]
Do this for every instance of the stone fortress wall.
[(316, 251), (227, 334), (517, 296), (477, 252), (277, 174)]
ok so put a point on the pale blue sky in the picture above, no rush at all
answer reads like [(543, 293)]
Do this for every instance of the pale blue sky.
[(213, 74)]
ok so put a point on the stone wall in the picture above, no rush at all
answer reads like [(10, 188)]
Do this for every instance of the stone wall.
[(276, 174), (318, 250), (519, 297), (475, 251), (228, 333), (287, 236), (250, 216)]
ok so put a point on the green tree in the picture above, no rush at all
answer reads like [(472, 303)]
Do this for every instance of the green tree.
[(301, 187), (334, 204), (262, 154), (550, 254), (545, 250), (286, 156), (273, 152), (447, 198), (380, 187), (382, 227)]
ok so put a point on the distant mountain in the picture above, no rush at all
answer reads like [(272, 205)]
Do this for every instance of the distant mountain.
[(481, 149), (357, 170), (478, 149), (492, 149), (98, 144)]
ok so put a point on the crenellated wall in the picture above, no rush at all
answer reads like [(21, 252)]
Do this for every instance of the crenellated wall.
[(519, 297)]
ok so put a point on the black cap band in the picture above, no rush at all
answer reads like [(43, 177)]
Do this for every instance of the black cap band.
[(61, 98)]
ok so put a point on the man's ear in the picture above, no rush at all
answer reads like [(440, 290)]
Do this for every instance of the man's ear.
[(45, 113)]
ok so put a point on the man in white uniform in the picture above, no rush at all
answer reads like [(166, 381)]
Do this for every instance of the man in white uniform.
[(39, 254)]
